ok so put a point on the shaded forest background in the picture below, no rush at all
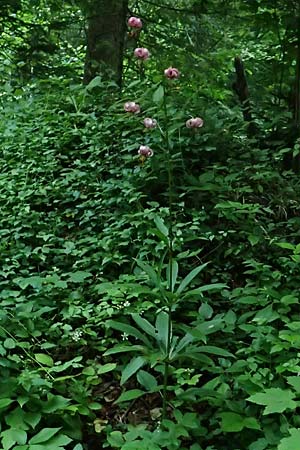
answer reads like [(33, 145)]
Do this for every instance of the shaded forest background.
[(149, 303)]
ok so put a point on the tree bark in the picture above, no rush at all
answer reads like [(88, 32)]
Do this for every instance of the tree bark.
[(105, 39), (240, 86)]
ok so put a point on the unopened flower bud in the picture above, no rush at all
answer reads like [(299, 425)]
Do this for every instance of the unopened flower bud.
[(135, 22), (150, 123), (132, 107), (196, 122), (145, 151), (142, 53), (172, 73)]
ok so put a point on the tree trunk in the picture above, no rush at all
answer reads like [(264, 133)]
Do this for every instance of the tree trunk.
[(105, 39), (240, 86), (297, 81)]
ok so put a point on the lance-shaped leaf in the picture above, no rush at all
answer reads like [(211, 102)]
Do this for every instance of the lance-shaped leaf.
[(129, 330), (189, 278), (147, 380), (205, 288), (213, 350), (150, 272), (132, 367), (161, 226), (162, 326), (144, 325), (121, 348), (172, 273), (158, 94), (186, 340), (129, 395)]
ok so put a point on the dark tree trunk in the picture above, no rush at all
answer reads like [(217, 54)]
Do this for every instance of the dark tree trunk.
[(240, 86), (291, 160), (297, 81), (105, 39)]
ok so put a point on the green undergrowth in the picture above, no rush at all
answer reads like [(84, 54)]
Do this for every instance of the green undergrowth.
[(83, 278)]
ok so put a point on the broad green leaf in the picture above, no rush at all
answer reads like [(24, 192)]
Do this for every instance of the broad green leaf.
[(106, 368), (147, 380), (196, 447), (292, 442), (186, 340), (260, 444), (129, 330), (206, 311), (89, 371), (58, 441), (253, 239), (289, 299), (44, 359), (266, 315), (5, 402), (206, 328), (158, 94), (55, 403), (161, 226), (95, 406), (78, 447), (205, 288), (231, 422), (133, 83), (150, 272), (189, 278), (32, 418), (115, 439), (252, 423), (188, 420), (40, 447), (9, 343), (144, 444), (13, 436), (162, 326), (276, 400), (79, 276), (161, 236), (200, 357), (132, 367), (214, 350), (172, 273), (45, 446), (96, 82), (230, 317), (60, 367), (285, 245), (144, 324), (34, 281), (21, 447), (15, 419), (121, 348), (44, 435), (295, 382), (130, 395), (22, 400)]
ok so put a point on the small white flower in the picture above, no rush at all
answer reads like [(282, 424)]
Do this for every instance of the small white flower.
[(77, 335), (124, 337)]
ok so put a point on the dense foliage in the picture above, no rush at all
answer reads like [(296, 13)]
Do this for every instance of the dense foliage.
[(150, 302)]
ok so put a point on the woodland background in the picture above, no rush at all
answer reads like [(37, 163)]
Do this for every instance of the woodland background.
[(101, 343)]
